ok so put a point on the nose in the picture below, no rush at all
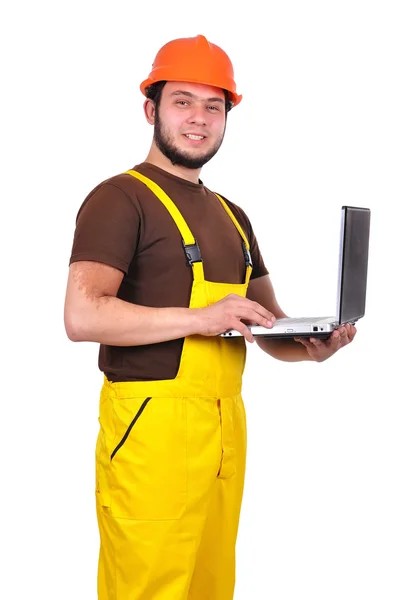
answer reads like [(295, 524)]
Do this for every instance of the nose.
[(198, 115)]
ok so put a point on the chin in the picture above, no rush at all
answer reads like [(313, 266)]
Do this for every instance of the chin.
[(194, 149), (191, 153)]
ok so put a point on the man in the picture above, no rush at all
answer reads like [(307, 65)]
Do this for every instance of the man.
[(161, 266)]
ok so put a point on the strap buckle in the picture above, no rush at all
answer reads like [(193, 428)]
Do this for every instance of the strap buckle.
[(192, 253), (247, 255)]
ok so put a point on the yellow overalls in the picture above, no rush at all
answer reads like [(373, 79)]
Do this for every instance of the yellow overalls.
[(170, 462)]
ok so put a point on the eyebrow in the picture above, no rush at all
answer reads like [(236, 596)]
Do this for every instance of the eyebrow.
[(194, 97)]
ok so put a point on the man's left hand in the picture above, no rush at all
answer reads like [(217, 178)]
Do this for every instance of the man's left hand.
[(319, 350)]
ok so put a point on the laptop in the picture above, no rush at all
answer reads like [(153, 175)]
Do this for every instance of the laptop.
[(351, 288)]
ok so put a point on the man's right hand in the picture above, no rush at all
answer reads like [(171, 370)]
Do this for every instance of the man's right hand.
[(233, 312)]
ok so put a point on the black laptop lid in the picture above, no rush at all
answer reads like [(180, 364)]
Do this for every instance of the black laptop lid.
[(353, 263)]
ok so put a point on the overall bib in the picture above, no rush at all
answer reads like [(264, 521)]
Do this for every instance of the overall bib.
[(170, 461)]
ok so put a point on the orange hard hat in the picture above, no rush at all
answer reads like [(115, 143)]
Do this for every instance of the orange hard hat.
[(194, 60)]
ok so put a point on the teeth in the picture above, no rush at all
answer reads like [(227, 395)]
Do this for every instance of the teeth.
[(194, 137)]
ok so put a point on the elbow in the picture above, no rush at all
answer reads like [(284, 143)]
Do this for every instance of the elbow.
[(74, 326)]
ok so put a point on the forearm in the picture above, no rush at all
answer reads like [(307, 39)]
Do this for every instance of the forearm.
[(112, 321), (287, 349)]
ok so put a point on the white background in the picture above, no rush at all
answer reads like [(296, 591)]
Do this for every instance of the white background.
[(330, 116)]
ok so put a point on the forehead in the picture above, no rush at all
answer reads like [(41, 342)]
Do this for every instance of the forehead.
[(200, 90)]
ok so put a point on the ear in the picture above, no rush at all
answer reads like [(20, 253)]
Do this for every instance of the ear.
[(149, 111)]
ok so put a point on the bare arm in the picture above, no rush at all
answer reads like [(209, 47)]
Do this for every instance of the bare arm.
[(261, 290), (94, 313)]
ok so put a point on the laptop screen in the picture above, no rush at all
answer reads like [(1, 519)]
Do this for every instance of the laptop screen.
[(353, 265)]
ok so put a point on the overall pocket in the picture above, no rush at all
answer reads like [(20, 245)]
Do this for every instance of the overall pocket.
[(148, 464)]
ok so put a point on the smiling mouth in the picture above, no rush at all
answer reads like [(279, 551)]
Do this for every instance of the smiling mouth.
[(195, 138)]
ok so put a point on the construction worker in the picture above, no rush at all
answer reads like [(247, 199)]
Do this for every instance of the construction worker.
[(160, 266)]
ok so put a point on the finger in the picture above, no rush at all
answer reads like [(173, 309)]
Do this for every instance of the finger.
[(262, 311), (342, 341), (252, 316), (352, 332), (317, 342), (303, 341), (334, 339), (344, 336), (242, 328)]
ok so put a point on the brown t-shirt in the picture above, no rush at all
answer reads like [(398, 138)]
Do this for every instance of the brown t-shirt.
[(123, 224)]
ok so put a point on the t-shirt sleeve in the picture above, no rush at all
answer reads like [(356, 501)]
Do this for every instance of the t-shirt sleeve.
[(107, 228), (258, 266)]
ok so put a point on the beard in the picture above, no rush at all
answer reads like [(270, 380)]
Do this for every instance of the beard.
[(166, 145)]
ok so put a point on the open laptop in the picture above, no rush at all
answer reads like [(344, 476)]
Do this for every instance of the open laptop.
[(351, 288)]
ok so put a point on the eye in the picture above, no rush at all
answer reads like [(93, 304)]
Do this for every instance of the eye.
[(214, 108), (182, 102)]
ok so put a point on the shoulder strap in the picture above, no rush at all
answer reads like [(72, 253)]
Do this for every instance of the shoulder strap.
[(191, 249)]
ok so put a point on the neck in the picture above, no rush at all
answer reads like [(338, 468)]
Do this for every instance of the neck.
[(155, 157)]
